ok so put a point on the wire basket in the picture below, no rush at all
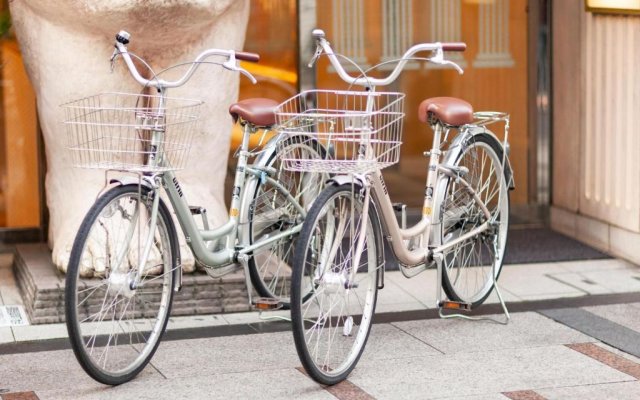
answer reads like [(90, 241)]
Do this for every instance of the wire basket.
[(130, 132), (361, 130)]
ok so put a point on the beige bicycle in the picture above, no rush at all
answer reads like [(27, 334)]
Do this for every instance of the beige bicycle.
[(339, 259)]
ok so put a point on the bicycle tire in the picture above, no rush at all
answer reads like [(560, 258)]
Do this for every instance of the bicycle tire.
[(467, 267), (312, 289), (270, 266), (99, 340)]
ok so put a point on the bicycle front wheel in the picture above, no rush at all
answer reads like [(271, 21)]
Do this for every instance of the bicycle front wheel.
[(473, 265), (272, 212), (335, 283), (115, 326)]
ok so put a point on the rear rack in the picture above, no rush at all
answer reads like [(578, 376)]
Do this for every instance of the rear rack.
[(484, 118)]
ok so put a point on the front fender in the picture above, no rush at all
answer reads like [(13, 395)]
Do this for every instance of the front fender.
[(129, 180), (344, 179), (357, 180)]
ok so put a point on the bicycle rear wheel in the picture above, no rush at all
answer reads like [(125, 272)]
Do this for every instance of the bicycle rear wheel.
[(469, 265), (271, 212), (333, 296), (114, 328)]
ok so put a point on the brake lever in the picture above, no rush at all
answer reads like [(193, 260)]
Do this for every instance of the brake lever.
[(248, 75), (438, 58), (454, 65), (112, 60), (315, 57), (232, 65)]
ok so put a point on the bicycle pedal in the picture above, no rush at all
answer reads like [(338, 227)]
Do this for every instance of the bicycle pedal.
[(266, 303), (454, 305)]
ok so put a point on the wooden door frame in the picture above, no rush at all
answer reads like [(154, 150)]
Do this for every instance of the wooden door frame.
[(539, 115)]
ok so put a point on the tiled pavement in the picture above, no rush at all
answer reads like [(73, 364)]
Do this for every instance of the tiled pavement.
[(539, 355)]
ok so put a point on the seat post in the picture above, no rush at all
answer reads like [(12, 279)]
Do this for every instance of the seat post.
[(432, 177), (437, 128), (247, 130), (239, 179)]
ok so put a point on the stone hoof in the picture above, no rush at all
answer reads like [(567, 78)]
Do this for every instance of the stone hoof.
[(60, 257), (154, 263), (94, 261)]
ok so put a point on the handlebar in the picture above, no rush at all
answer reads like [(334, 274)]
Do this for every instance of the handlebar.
[(323, 46), (122, 39), (244, 56), (455, 46)]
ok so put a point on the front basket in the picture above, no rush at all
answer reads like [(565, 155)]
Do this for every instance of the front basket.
[(361, 130), (130, 132)]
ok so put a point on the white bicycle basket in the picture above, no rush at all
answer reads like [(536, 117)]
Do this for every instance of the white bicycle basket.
[(126, 132), (361, 130)]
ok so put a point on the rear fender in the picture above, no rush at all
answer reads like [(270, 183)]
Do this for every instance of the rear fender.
[(467, 134)]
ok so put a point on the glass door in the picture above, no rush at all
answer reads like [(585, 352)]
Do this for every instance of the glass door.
[(495, 64)]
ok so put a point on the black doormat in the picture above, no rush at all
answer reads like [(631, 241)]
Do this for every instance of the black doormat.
[(541, 245), (534, 245)]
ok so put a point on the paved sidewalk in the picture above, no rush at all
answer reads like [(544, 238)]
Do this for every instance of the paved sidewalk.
[(518, 283), (574, 334)]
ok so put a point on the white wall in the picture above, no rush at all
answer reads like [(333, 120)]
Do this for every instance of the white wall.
[(596, 113)]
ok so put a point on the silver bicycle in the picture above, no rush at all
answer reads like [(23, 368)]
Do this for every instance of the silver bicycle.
[(339, 260), (116, 320)]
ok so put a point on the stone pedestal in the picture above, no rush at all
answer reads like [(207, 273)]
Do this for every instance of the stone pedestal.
[(42, 288)]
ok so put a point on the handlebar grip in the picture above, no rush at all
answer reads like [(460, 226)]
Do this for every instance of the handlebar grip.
[(244, 56), (454, 46), (123, 37), (318, 34)]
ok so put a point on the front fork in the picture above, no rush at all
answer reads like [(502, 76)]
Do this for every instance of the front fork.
[(364, 224), (144, 256)]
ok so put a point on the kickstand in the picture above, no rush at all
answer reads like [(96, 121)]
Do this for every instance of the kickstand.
[(244, 261), (464, 306), (261, 303)]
